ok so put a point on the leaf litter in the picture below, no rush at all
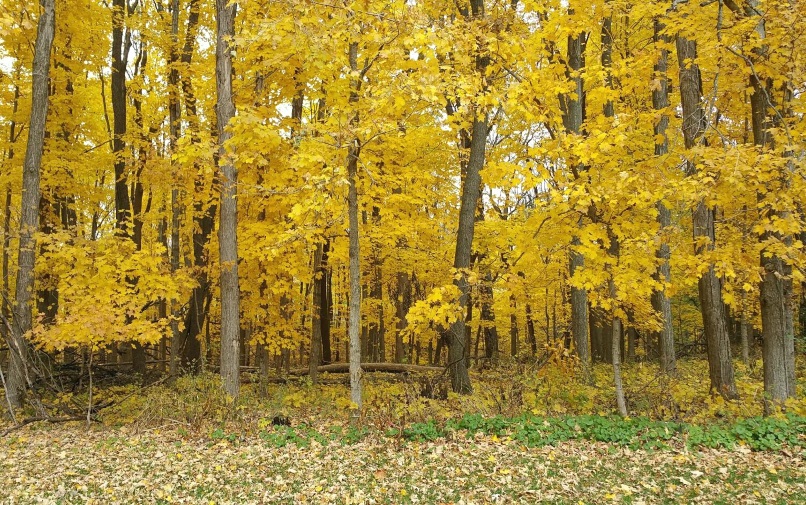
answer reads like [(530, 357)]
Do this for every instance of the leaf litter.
[(69, 465)]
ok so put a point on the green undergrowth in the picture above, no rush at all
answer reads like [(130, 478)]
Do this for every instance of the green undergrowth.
[(757, 433)]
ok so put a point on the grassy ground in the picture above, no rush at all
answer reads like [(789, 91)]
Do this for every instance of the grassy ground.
[(69, 465)]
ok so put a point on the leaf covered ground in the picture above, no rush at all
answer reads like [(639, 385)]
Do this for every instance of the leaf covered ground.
[(70, 465)]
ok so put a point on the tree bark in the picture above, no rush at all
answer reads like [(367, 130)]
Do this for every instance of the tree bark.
[(188, 344), (530, 331), (402, 305), (227, 233), (661, 302), (175, 129), (457, 364), (29, 215), (119, 64), (12, 139), (456, 336), (513, 327), (488, 319), (775, 291), (720, 364), (354, 328), (573, 109), (316, 316)]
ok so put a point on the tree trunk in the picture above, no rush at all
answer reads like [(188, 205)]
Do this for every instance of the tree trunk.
[(530, 330), (661, 302), (743, 327), (457, 365), (316, 311), (174, 128), (227, 233), (573, 109), (119, 64), (402, 305), (775, 291), (513, 327), (29, 214), (188, 344), (713, 309), (326, 309), (12, 139), (354, 249), (616, 352), (488, 319)]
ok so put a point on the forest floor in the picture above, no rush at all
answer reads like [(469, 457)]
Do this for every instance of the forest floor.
[(64, 464), (526, 435)]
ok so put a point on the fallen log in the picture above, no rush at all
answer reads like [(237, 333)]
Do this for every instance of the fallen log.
[(370, 367)]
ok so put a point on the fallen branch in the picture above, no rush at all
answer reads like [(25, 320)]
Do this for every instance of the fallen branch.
[(370, 367), (32, 420)]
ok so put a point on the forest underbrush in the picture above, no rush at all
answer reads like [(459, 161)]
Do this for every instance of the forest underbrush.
[(539, 403)]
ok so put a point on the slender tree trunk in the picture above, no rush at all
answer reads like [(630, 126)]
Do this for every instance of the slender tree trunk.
[(174, 126), (354, 151), (616, 351), (573, 109), (326, 309), (713, 309), (457, 341), (743, 327), (530, 330), (316, 316), (457, 365), (227, 233), (488, 319), (188, 343), (119, 64), (12, 139), (660, 301), (29, 216), (802, 304), (402, 305), (513, 327)]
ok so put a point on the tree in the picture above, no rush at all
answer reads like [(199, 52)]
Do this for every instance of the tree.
[(710, 291), (777, 327), (573, 116), (228, 229), (29, 214), (660, 301), (471, 187)]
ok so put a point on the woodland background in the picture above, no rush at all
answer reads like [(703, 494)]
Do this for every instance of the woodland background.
[(530, 187)]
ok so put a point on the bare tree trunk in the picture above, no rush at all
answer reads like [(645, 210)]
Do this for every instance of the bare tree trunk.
[(713, 309), (188, 344), (777, 325), (316, 314), (661, 302), (402, 305), (174, 126), (29, 216), (743, 326), (488, 319), (573, 109), (120, 50), (326, 309), (616, 339), (354, 328), (530, 330), (457, 365), (227, 233), (513, 327), (12, 139)]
